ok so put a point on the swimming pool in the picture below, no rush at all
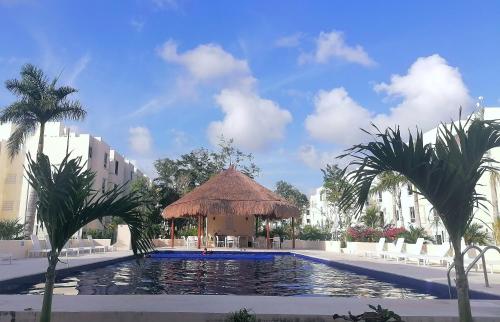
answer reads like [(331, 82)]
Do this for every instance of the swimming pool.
[(234, 273)]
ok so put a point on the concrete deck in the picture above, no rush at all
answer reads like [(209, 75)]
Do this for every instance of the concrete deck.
[(125, 308)]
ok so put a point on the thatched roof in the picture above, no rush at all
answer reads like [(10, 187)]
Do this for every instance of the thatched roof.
[(231, 193)]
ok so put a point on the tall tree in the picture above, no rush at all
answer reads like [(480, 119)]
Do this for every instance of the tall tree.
[(445, 173), (391, 182), (67, 202), (292, 194), (38, 101), (334, 184)]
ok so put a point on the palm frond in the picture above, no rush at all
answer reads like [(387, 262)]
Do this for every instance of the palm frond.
[(67, 202), (18, 136)]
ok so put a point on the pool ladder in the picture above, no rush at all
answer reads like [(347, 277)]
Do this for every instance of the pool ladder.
[(472, 264)]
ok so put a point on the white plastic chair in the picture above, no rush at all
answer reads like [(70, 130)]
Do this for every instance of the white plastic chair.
[(276, 242), (378, 250), (37, 248), (83, 248), (397, 252), (6, 256), (219, 242), (413, 251), (231, 240), (94, 246), (191, 241)]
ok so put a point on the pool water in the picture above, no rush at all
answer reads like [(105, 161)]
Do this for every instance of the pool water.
[(278, 275)]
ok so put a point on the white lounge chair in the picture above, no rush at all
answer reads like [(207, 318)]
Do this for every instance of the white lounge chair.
[(440, 256), (192, 241), (37, 248), (378, 250), (277, 242), (94, 246), (82, 247), (65, 250), (414, 251), (396, 252), (219, 242)]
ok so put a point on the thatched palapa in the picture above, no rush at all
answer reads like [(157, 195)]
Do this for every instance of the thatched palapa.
[(231, 193)]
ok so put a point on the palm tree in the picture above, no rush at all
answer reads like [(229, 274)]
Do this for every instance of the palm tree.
[(39, 101), (391, 182), (371, 217), (67, 202), (445, 173)]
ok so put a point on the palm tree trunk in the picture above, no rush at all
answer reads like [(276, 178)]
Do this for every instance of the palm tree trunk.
[(33, 198), (394, 209), (464, 310), (494, 195), (416, 209), (50, 278)]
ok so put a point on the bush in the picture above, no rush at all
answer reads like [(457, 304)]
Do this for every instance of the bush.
[(476, 235), (11, 229), (392, 233), (363, 234), (313, 233), (188, 231), (242, 315), (105, 233), (413, 234), (378, 314)]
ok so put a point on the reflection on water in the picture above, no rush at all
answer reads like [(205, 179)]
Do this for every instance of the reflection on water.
[(284, 276)]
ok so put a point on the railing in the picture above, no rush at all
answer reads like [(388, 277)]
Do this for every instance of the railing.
[(472, 264)]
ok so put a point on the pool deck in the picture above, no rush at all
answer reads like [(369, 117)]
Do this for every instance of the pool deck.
[(212, 308)]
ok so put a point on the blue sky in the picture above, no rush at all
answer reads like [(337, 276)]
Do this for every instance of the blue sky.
[(291, 82)]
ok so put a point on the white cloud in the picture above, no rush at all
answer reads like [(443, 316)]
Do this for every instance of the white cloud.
[(137, 24), (253, 122), (179, 137), (314, 159), (332, 45), (337, 117), (431, 92), (79, 67), (140, 140), (208, 62), (290, 41)]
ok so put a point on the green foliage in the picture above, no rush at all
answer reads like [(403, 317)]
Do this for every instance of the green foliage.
[(292, 194), (378, 314), (335, 184), (445, 173), (242, 315), (196, 167), (188, 231), (67, 202), (313, 233), (476, 235), (415, 233), (105, 233), (371, 218), (39, 101), (10, 229)]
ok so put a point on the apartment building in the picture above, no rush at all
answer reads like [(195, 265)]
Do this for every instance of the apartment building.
[(111, 169)]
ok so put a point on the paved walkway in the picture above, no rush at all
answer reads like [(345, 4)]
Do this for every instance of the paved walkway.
[(38, 265)]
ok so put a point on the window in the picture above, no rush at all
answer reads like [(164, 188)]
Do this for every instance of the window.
[(103, 188), (116, 167), (381, 216), (397, 215), (410, 190), (131, 175), (105, 160), (10, 178), (90, 152), (8, 206), (308, 221), (412, 214), (380, 196)]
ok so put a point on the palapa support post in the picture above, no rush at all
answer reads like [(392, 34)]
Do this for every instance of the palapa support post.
[(293, 233), (199, 232), (172, 236), (267, 234)]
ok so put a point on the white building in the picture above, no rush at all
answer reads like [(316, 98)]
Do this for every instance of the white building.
[(320, 212), (110, 168)]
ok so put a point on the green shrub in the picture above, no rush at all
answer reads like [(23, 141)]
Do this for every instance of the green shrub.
[(105, 233), (378, 314), (242, 315), (313, 233), (413, 234), (188, 231), (11, 229), (476, 235)]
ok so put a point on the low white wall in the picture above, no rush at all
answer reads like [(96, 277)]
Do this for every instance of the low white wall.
[(164, 242), (329, 245), (17, 248), (123, 241)]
